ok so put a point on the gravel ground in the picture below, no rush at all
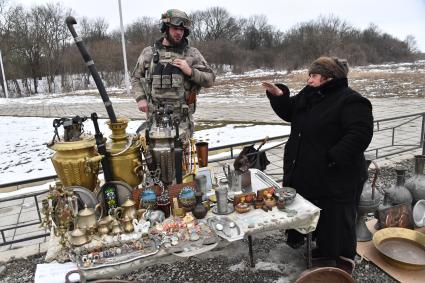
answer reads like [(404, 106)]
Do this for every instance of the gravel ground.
[(275, 261)]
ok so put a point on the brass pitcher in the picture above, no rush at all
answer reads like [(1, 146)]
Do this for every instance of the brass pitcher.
[(124, 157), (127, 209), (76, 162), (87, 217)]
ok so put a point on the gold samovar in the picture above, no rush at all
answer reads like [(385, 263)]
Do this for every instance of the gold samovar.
[(124, 154), (76, 160)]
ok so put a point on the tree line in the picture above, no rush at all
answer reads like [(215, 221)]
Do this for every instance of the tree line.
[(35, 43)]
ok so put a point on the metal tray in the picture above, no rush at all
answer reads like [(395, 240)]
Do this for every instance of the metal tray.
[(401, 247), (230, 234)]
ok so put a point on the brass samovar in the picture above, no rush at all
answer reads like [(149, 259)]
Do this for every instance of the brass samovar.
[(124, 154), (76, 160)]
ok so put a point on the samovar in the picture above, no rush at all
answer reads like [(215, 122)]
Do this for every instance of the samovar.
[(76, 160), (160, 134), (124, 154)]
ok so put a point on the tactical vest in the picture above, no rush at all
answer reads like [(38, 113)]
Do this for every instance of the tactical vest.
[(167, 83), (168, 86)]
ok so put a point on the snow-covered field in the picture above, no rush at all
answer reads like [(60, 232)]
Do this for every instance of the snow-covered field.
[(24, 153)]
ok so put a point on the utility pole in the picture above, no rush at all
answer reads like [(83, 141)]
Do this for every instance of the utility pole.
[(126, 77), (4, 77)]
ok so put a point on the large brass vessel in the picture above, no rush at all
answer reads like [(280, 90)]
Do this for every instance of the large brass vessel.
[(77, 162), (124, 153)]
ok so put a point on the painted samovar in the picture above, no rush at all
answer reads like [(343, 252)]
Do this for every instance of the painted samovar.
[(76, 160), (124, 154)]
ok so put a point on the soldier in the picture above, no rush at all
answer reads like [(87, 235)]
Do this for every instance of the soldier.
[(170, 73)]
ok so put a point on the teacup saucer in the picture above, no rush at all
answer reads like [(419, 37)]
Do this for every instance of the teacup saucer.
[(230, 209)]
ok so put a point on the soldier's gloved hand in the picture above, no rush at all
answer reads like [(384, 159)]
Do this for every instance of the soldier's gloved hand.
[(143, 105), (183, 66)]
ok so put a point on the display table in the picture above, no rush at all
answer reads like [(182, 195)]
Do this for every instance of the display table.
[(301, 215)]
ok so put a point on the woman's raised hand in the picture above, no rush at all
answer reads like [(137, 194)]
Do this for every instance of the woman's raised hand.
[(274, 90)]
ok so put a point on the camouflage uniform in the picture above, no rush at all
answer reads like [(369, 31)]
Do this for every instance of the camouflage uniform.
[(155, 79)]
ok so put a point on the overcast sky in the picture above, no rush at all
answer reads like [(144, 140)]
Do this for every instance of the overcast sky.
[(396, 17)]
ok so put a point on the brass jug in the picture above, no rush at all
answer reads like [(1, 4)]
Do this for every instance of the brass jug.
[(127, 209), (124, 154), (76, 162), (87, 217)]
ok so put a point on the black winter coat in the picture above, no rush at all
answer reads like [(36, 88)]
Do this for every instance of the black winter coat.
[(331, 126)]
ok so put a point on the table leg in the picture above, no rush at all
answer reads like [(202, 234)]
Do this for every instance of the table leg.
[(251, 254), (309, 264)]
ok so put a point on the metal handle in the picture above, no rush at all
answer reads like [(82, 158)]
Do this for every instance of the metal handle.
[(70, 22), (82, 277)]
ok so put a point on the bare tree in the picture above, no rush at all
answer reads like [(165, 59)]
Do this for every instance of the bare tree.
[(213, 24), (49, 20)]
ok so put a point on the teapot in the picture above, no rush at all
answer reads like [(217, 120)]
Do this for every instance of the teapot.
[(127, 209), (128, 224), (78, 237), (103, 227), (116, 227), (87, 217)]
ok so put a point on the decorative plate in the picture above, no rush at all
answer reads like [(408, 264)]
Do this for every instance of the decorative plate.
[(123, 190), (187, 197)]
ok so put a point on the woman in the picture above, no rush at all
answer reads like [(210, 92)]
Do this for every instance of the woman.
[(331, 126)]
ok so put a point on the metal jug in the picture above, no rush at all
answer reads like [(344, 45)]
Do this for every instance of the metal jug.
[(234, 178), (416, 184), (399, 193), (369, 202)]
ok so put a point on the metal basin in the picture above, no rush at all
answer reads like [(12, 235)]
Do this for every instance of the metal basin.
[(324, 274), (403, 248)]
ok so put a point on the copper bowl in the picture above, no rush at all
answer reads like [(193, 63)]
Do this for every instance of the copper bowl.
[(324, 274), (401, 247)]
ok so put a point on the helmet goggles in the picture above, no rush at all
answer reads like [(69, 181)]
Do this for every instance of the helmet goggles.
[(178, 22)]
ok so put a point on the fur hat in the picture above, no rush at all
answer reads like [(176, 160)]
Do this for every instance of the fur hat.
[(330, 67)]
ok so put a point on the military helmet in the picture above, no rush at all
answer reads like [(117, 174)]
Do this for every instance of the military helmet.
[(176, 18)]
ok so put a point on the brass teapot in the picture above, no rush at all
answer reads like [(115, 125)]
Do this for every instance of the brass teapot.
[(103, 227), (87, 217), (78, 237), (127, 224), (127, 209), (116, 227)]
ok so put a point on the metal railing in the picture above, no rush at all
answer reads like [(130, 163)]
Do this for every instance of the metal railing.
[(392, 136)]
